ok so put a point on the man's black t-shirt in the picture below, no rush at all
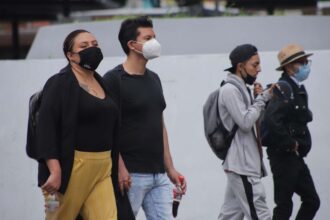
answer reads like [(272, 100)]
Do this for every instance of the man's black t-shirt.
[(142, 105)]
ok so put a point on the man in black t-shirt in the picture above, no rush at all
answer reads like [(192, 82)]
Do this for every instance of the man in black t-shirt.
[(145, 157)]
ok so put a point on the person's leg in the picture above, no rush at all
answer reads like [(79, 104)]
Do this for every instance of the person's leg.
[(157, 203), (100, 203), (309, 197), (285, 171), (256, 196), (250, 196), (77, 191), (141, 185), (230, 209)]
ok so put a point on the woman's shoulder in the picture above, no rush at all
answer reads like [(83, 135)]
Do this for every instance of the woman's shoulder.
[(59, 79)]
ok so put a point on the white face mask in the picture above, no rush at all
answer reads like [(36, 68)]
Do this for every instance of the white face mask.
[(151, 49)]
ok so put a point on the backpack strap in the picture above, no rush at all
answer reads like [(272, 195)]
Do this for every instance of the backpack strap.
[(286, 83), (235, 128), (285, 91), (238, 86)]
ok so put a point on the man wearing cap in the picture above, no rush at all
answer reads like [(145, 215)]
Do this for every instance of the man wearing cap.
[(290, 139), (245, 195)]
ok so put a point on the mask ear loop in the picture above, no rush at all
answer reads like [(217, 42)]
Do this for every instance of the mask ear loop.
[(133, 48), (240, 71), (73, 61), (245, 72)]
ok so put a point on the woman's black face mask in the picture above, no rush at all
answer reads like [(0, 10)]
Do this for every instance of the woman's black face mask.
[(90, 58)]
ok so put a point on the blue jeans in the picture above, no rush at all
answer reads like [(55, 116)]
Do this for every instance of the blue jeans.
[(154, 193)]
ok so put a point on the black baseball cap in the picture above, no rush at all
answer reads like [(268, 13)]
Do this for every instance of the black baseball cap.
[(240, 54)]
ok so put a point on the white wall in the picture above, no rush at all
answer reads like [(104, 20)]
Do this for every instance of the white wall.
[(197, 35), (187, 81)]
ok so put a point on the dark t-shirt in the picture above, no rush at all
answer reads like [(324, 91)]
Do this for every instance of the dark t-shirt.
[(142, 106), (96, 122)]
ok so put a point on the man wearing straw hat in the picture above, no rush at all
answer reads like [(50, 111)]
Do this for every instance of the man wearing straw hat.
[(290, 139)]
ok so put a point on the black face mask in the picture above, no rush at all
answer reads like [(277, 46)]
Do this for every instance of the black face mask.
[(248, 79), (90, 58)]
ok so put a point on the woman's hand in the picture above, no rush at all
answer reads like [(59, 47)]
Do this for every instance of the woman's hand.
[(53, 182)]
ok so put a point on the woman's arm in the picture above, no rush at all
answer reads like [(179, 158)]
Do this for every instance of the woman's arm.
[(53, 182)]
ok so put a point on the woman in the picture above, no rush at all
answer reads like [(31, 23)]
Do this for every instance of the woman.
[(76, 135)]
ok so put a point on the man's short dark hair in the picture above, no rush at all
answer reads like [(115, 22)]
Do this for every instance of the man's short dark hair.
[(129, 30)]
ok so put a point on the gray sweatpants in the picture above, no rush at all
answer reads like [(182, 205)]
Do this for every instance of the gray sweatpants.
[(245, 197)]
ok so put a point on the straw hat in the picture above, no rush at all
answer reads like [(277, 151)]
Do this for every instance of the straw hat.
[(289, 54)]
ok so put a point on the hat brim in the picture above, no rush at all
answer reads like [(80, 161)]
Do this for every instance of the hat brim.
[(280, 68), (230, 69)]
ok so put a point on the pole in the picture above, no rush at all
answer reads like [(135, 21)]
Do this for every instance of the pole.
[(216, 7), (15, 39)]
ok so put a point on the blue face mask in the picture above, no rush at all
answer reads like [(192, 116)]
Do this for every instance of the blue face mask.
[(303, 72)]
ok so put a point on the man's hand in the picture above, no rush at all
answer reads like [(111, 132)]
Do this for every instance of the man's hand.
[(174, 177), (258, 89), (124, 179)]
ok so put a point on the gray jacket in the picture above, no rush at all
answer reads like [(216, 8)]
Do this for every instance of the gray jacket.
[(243, 156)]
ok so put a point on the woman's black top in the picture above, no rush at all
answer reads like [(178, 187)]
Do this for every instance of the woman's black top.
[(96, 121)]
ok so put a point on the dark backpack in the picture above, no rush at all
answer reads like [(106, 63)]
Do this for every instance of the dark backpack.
[(282, 91), (217, 136), (34, 106)]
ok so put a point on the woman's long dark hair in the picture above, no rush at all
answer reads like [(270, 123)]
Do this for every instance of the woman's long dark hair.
[(69, 41)]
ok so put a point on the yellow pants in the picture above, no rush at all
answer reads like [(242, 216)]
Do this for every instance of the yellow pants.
[(90, 190)]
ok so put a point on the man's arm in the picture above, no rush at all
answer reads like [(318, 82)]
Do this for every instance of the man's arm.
[(244, 117), (124, 179), (112, 81), (172, 173)]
